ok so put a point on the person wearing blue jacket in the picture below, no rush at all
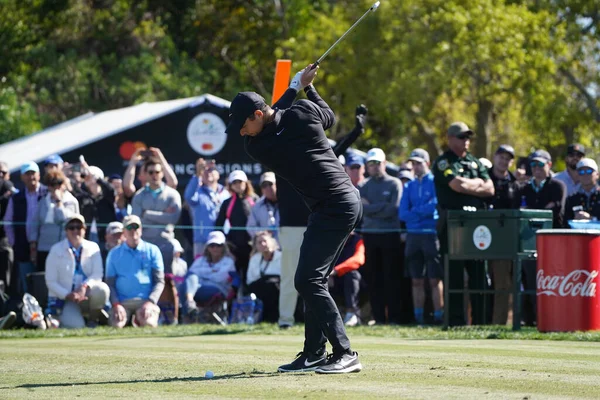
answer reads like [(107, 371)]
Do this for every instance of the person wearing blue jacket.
[(418, 210)]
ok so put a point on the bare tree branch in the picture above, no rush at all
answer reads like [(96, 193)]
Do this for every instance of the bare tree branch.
[(589, 99)]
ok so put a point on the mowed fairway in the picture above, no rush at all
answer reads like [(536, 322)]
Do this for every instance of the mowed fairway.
[(244, 364)]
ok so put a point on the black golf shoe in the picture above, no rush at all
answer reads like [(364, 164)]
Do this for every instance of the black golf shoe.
[(340, 363), (305, 362)]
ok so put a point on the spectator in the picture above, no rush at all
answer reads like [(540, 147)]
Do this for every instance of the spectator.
[(407, 167), (541, 193), (52, 212), (210, 277), (264, 274), (113, 237), (179, 266), (203, 194), (575, 152), (418, 209), (55, 163), (506, 196), (381, 195), (121, 207), (142, 155), (135, 275), (347, 279), (265, 213), (585, 204), (355, 168), (157, 205), (97, 203), (6, 253), (405, 177), (233, 215), (74, 277), (21, 222)]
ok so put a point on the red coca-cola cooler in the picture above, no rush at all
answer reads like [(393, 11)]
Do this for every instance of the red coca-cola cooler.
[(568, 266)]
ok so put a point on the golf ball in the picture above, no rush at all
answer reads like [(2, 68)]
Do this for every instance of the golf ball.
[(209, 374)]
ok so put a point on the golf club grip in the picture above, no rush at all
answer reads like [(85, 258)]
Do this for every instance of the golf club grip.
[(315, 65)]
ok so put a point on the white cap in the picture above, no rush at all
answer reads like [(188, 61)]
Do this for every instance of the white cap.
[(237, 175), (375, 154), (96, 172), (342, 159), (215, 237), (268, 177), (177, 248), (485, 162), (587, 163)]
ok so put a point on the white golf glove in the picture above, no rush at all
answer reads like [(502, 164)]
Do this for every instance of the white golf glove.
[(297, 82)]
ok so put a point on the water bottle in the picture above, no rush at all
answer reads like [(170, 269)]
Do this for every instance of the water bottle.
[(32, 312)]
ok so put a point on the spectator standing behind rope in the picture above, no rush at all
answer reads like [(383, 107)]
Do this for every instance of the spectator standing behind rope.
[(157, 205), (507, 196), (7, 271), (264, 272), (575, 152), (157, 156), (265, 213), (418, 208), (585, 204), (21, 223)]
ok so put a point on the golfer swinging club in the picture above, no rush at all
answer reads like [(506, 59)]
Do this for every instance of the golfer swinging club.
[(292, 143)]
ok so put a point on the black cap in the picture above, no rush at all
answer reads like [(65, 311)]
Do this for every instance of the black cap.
[(506, 148), (243, 106), (576, 148)]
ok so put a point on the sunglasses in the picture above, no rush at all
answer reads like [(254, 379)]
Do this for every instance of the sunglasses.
[(355, 166), (74, 227), (575, 154), (586, 171), (132, 227), (374, 163), (236, 181), (3, 172), (153, 172), (463, 137), (266, 184), (213, 245), (537, 164)]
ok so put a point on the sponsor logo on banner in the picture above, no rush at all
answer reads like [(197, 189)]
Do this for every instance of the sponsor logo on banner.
[(577, 283), (482, 237), (206, 134)]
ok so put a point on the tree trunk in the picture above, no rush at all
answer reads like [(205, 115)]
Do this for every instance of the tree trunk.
[(483, 133)]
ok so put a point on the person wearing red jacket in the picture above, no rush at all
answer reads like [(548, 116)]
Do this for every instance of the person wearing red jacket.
[(347, 278)]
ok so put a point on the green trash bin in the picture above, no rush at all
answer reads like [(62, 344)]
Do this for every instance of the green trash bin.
[(493, 235)]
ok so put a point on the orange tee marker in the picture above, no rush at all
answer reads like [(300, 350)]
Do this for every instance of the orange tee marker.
[(282, 79)]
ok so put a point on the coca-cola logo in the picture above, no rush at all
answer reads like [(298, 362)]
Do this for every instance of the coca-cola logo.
[(577, 283)]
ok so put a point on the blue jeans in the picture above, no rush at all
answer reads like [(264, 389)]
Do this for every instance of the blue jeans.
[(202, 292), (25, 267)]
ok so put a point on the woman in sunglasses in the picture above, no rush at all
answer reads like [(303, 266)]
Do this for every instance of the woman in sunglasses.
[(52, 212), (585, 204)]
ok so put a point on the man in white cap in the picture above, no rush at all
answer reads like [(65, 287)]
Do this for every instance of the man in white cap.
[(113, 236), (381, 194), (74, 277), (264, 215), (136, 277), (20, 225), (585, 204)]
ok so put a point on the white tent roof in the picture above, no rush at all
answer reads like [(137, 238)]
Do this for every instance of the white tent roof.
[(90, 128)]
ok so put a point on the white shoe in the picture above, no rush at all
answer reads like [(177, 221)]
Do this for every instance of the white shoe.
[(351, 319)]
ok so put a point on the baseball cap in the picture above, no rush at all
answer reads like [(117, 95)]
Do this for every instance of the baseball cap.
[(375, 154), (96, 172), (342, 159), (354, 159), (215, 237), (242, 106), (114, 176), (587, 163), (576, 148), (485, 162), (268, 177), (419, 155), (130, 220), (29, 166), (177, 248), (405, 175), (237, 175), (541, 155), (75, 217), (114, 227), (505, 148), (54, 159), (458, 128)]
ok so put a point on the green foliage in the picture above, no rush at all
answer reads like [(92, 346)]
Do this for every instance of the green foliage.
[(522, 72)]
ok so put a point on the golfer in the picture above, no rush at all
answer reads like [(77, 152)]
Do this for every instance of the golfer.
[(292, 143)]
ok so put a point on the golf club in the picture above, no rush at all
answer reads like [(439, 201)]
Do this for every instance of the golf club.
[(372, 8)]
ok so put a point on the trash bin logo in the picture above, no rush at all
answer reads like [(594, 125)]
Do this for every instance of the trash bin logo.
[(577, 283), (482, 237)]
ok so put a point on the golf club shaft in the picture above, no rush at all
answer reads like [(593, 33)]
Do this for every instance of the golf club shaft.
[(372, 8)]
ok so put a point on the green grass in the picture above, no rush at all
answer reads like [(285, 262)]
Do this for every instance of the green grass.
[(170, 362)]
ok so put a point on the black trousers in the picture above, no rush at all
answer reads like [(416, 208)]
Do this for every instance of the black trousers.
[(384, 272), (329, 226), (7, 272)]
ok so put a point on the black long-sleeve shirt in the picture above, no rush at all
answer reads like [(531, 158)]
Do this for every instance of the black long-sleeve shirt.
[(295, 147), (552, 191)]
